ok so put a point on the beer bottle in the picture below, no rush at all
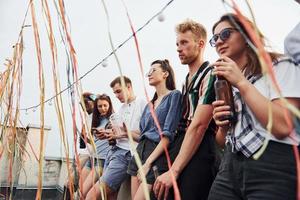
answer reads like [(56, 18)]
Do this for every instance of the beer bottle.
[(223, 92)]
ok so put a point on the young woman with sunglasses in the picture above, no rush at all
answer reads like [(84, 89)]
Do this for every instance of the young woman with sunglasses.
[(166, 104), (93, 168), (273, 174)]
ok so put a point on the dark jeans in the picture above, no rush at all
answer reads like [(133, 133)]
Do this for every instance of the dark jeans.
[(272, 176), (195, 180)]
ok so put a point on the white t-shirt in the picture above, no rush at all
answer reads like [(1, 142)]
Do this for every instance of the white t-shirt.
[(89, 124), (131, 114), (287, 75)]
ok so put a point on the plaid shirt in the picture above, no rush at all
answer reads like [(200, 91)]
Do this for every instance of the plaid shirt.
[(247, 137), (248, 140)]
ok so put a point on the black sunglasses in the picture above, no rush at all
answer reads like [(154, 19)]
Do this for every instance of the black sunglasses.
[(224, 35)]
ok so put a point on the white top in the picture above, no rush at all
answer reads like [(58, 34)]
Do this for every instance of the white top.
[(131, 114), (85, 151), (287, 75)]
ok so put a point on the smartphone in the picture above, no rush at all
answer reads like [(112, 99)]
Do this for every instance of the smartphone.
[(94, 131)]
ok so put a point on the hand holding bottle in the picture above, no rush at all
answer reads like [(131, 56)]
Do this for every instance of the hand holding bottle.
[(227, 68), (220, 112), (223, 90)]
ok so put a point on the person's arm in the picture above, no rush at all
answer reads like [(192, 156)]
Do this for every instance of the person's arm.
[(221, 137), (196, 130), (111, 135), (192, 138), (190, 144), (280, 127), (159, 149), (164, 142), (135, 135)]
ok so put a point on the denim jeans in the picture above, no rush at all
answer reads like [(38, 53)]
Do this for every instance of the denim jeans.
[(115, 167), (272, 176)]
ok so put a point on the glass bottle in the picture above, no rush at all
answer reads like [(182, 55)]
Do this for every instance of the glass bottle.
[(223, 92)]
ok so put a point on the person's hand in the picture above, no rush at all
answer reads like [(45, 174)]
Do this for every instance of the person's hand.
[(110, 134), (120, 132), (124, 132), (162, 185), (227, 68), (145, 168), (100, 133), (220, 112)]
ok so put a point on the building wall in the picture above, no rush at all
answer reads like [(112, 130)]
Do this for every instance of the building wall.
[(11, 158), (30, 169), (63, 177), (26, 166), (51, 173)]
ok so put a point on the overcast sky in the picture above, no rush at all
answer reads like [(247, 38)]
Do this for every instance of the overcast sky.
[(88, 27)]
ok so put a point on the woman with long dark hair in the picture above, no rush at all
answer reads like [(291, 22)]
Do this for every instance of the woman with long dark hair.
[(93, 169), (166, 104), (273, 174)]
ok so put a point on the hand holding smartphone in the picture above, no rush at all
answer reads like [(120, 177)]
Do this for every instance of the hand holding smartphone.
[(99, 133), (111, 136)]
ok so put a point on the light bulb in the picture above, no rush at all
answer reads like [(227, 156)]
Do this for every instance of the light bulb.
[(161, 17), (104, 63)]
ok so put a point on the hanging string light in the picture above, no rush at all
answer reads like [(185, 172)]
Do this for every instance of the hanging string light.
[(50, 102), (161, 17), (104, 63)]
